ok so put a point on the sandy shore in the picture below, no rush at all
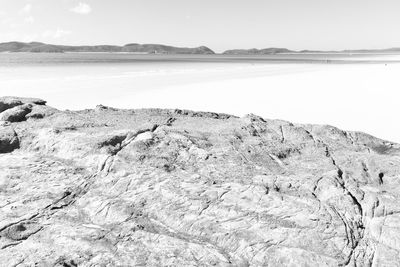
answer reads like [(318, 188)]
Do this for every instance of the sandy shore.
[(361, 97)]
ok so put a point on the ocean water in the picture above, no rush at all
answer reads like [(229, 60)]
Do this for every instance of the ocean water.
[(52, 59), (353, 92), (82, 80)]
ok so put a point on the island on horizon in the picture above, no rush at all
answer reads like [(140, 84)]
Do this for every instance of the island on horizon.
[(38, 47)]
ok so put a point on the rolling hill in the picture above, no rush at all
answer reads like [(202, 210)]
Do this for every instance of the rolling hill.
[(36, 47)]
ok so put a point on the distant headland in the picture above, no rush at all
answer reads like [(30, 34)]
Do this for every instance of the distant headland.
[(38, 47), (274, 50)]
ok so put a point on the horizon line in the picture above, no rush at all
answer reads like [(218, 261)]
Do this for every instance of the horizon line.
[(184, 46)]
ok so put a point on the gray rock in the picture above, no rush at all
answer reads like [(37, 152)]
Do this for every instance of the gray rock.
[(16, 114), (8, 140), (153, 187), (40, 111), (8, 102), (17, 109)]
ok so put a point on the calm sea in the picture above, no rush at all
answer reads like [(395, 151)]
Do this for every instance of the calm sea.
[(82, 80), (20, 59), (352, 92)]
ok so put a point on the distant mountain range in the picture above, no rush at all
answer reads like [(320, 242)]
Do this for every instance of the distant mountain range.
[(37, 47), (254, 51), (274, 50)]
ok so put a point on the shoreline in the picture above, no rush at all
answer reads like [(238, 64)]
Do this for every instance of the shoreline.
[(358, 97)]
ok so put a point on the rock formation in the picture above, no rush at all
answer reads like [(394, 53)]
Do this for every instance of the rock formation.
[(109, 187)]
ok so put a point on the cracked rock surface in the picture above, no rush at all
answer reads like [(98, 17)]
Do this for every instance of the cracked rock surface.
[(152, 187)]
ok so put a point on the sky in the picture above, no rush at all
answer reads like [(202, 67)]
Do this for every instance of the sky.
[(218, 24)]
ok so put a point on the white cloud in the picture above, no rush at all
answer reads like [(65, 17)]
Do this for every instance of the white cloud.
[(26, 9), (82, 8), (29, 19), (55, 34)]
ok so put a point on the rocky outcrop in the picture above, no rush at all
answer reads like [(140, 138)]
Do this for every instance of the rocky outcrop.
[(16, 114), (8, 102), (17, 109), (110, 187)]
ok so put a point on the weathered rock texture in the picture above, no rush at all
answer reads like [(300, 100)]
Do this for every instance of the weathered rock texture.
[(109, 187)]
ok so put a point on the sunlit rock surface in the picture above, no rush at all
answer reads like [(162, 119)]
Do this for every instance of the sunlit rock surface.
[(109, 187)]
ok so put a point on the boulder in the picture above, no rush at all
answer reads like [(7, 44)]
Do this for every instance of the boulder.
[(40, 111), (8, 102), (16, 114)]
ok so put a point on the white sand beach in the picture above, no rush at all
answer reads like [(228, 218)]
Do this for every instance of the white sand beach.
[(362, 97)]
